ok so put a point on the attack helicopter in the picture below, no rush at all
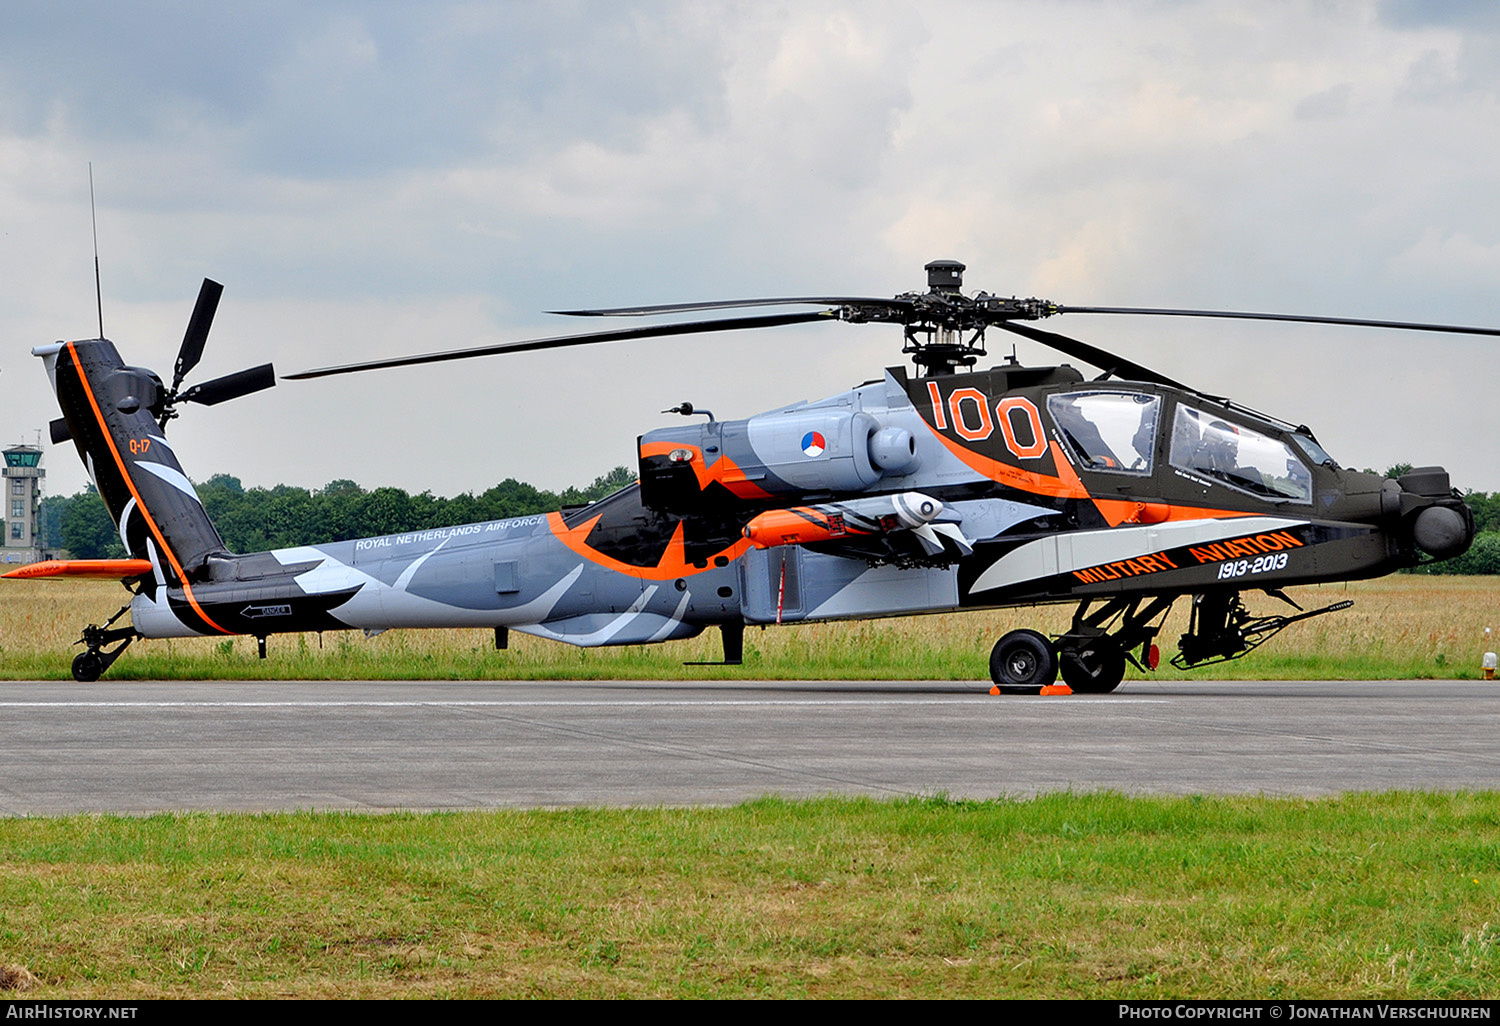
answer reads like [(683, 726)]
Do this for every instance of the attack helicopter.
[(945, 487)]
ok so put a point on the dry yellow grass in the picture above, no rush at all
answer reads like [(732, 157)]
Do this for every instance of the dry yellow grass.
[(1402, 626)]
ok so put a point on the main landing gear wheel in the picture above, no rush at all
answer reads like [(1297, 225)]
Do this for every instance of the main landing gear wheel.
[(1022, 663), (1091, 666)]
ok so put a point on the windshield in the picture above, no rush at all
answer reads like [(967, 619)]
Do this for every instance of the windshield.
[(1206, 444)]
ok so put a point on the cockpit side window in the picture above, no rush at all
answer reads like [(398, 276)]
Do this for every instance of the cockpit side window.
[(1238, 456), (1108, 430)]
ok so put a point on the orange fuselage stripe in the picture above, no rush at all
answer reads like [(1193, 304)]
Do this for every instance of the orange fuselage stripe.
[(161, 540), (673, 562), (1015, 477)]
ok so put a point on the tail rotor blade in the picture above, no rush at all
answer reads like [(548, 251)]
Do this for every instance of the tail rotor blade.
[(231, 386), (197, 330), (59, 431)]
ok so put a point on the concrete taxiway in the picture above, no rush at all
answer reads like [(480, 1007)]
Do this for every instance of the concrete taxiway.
[(145, 747)]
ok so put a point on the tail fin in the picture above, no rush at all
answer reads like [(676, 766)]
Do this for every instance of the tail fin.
[(109, 411)]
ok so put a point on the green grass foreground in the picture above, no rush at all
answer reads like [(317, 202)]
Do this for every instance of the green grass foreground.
[(1094, 896)]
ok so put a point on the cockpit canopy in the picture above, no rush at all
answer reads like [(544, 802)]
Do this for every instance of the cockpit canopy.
[(1116, 430), (1207, 445)]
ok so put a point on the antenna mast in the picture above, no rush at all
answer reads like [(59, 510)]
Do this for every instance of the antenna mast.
[(94, 220)]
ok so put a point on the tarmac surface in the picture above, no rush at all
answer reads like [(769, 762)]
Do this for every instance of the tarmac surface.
[(170, 746)]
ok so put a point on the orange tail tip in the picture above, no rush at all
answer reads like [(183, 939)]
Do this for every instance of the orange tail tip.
[(105, 569)]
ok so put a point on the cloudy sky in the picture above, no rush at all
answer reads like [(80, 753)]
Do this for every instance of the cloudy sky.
[(375, 179)]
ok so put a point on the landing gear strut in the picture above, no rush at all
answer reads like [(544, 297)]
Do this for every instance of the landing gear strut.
[(90, 664), (1091, 666), (1093, 658)]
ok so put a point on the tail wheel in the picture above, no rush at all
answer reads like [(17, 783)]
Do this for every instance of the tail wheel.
[(1022, 663), (1091, 666), (88, 667)]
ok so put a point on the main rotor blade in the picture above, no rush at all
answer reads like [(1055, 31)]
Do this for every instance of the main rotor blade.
[(730, 304), (564, 341), (1296, 318), (197, 330), (1101, 358), (231, 386)]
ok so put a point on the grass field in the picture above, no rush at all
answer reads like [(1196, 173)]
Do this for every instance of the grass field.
[(1088, 896), (1403, 627)]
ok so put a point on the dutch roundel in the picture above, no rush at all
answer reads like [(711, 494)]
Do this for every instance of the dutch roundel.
[(813, 444)]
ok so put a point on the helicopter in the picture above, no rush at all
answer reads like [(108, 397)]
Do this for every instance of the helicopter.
[(942, 488)]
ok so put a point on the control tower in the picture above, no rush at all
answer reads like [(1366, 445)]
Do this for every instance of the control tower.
[(22, 541)]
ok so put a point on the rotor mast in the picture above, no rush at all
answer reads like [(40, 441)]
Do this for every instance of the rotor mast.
[(943, 323), (944, 328)]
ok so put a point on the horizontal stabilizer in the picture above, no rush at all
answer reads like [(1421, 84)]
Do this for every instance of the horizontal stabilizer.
[(105, 569)]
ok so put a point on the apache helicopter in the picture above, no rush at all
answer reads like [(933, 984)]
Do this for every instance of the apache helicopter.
[(945, 489)]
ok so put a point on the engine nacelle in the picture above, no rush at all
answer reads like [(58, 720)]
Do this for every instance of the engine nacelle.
[(816, 450)]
